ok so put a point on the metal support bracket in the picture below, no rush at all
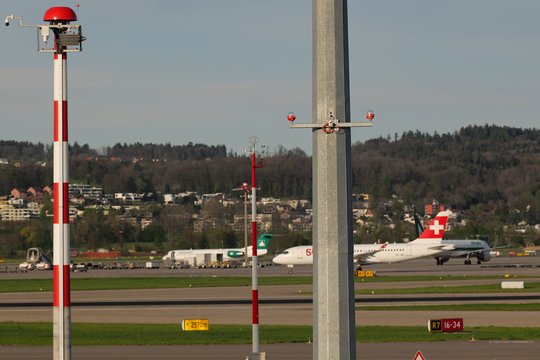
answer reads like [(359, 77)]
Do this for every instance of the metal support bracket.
[(332, 125)]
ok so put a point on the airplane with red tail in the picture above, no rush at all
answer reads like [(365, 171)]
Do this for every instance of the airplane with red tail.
[(429, 243)]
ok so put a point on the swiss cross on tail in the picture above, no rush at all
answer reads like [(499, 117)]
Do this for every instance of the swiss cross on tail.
[(435, 229)]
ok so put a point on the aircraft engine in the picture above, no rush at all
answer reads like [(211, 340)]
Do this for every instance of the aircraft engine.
[(484, 255)]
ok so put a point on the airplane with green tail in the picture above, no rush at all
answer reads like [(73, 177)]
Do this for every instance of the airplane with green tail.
[(220, 255)]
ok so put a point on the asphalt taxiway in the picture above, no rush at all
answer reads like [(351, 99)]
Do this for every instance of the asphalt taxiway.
[(445, 350), (426, 266), (173, 305)]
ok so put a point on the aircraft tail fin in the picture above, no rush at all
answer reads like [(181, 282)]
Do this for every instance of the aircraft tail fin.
[(263, 241), (435, 229), (418, 226)]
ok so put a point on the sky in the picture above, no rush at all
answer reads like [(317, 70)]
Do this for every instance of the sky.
[(220, 71)]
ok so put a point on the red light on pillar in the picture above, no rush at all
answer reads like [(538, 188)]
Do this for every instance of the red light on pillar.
[(291, 116), (370, 115)]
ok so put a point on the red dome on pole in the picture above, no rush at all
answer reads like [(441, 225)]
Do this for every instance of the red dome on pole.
[(60, 13)]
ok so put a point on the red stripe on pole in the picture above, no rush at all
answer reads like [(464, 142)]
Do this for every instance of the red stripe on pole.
[(56, 194), (64, 120), (55, 120), (56, 285), (255, 310), (67, 290), (65, 203), (254, 237), (253, 167)]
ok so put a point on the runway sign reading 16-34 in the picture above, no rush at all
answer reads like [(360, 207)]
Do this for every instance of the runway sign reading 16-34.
[(194, 324), (445, 325)]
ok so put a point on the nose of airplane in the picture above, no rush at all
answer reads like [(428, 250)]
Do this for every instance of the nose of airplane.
[(278, 259)]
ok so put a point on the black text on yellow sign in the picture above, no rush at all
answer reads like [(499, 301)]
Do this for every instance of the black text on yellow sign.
[(364, 274), (194, 324)]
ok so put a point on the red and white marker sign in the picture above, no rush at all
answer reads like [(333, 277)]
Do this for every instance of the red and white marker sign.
[(419, 356)]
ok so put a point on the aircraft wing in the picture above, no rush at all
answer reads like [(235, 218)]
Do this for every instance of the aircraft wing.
[(442, 247), (367, 254), (458, 253)]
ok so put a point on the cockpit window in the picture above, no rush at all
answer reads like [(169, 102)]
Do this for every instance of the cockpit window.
[(286, 252)]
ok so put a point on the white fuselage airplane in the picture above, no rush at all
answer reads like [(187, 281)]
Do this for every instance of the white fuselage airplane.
[(221, 254), (462, 248), (428, 243)]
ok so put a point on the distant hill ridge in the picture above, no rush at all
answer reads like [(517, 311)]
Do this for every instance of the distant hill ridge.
[(495, 168), (27, 151)]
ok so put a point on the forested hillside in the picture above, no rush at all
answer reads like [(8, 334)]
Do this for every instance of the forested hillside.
[(486, 169), (491, 169)]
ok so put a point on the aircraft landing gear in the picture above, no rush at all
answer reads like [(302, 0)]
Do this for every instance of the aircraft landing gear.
[(441, 260), (468, 262)]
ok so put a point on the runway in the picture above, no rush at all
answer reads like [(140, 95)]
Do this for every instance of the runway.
[(280, 304), (283, 304), (113, 298), (426, 266), (175, 298), (446, 350)]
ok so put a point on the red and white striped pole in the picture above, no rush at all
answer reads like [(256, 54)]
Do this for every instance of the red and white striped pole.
[(66, 38), (254, 259), (254, 263), (61, 260), (59, 19)]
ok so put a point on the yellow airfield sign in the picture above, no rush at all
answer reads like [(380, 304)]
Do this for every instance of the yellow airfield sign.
[(364, 273), (194, 324)]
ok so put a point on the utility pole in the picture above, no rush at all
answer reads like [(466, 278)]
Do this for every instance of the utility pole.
[(256, 163), (245, 188)]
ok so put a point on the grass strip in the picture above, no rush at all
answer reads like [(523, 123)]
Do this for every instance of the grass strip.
[(40, 334), (444, 289), (126, 283), (456, 307), (409, 278)]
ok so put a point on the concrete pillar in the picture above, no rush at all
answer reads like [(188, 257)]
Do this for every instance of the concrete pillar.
[(333, 316)]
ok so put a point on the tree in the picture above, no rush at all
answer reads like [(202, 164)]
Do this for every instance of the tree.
[(222, 238), (36, 234), (154, 233)]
